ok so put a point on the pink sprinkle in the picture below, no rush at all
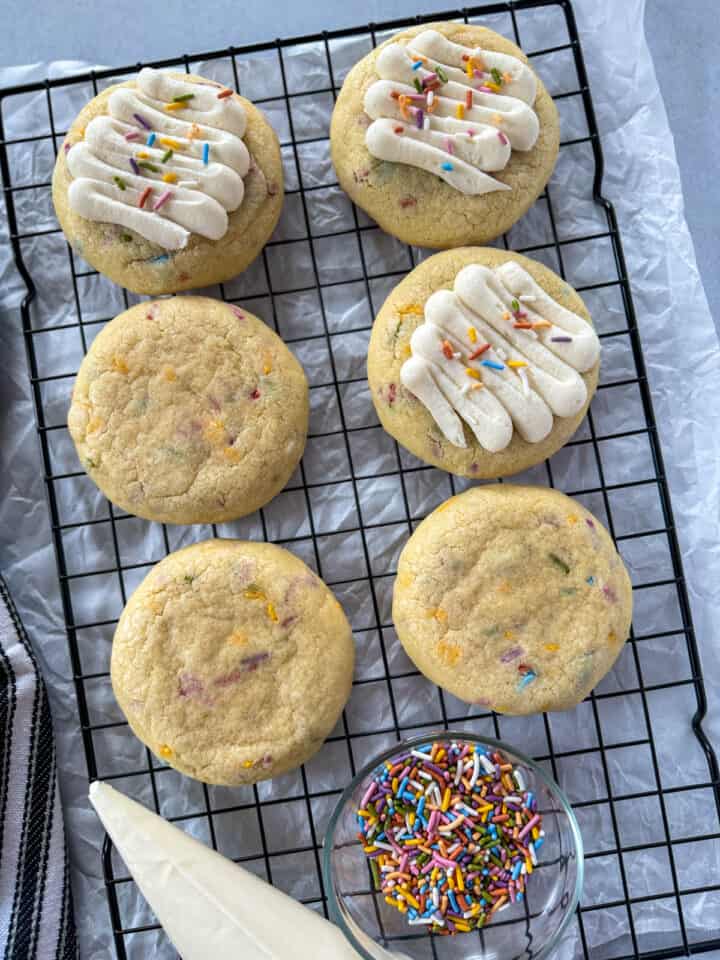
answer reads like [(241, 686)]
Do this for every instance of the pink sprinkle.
[(66, 147), (589, 522), (484, 89), (609, 593), (417, 97), (449, 145), (478, 73), (369, 793), (501, 136), (528, 827), (512, 654), (133, 135), (471, 133), (162, 199), (241, 316), (430, 77)]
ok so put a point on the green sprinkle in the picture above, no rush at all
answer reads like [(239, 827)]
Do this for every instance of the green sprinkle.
[(120, 182), (183, 97), (515, 305), (568, 591), (166, 156), (125, 237), (147, 165), (497, 76), (90, 462), (442, 76), (559, 563), (375, 873), (418, 85), (188, 579)]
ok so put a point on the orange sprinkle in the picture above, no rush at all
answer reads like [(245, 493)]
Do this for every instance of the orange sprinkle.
[(447, 349), (410, 308), (479, 352), (224, 93)]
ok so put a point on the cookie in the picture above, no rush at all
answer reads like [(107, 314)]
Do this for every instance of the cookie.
[(232, 661), (512, 598), (168, 182), (444, 135), (189, 410), (482, 362)]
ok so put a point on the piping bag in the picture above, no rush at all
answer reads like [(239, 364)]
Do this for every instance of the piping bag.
[(208, 905)]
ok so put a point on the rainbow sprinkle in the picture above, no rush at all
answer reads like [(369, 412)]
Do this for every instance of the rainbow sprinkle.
[(451, 834), (206, 153)]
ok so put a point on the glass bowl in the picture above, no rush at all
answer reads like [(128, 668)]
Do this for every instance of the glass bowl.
[(528, 929)]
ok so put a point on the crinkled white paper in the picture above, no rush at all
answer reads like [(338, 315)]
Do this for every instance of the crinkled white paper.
[(642, 180)]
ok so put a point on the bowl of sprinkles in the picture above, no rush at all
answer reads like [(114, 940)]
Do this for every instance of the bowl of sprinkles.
[(458, 840)]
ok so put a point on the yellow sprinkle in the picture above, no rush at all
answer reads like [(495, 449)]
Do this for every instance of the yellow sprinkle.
[(444, 506), (459, 880), (232, 454), (410, 308), (528, 864), (411, 899), (612, 637), (516, 363), (176, 106), (254, 595), (552, 647), (406, 351), (369, 849), (169, 177), (411, 819), (395, 783), (445, 800), (472, 334), (572, 519), (94, 424), (392, 901), (214, 431), (434, 875), (238, 638), (508, 635), (449, 652), (81, 133), (497, 119), (272, 612), (469, 67), (493, 86), (247, 764), (506, 315), (472, 373), (462, 926), (439, 755), (167, 373), (460, 111), (477, 386), (119, 365), (535, 833), (451, 882), (170, 143), (440, 615), (267, 369), (142, 155), (166, 751)]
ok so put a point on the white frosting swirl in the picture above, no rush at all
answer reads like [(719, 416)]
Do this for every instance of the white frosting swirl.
[(427, 132), (521, 380), (110, 165)]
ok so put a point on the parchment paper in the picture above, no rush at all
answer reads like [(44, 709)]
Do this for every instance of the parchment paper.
[(683, 360)]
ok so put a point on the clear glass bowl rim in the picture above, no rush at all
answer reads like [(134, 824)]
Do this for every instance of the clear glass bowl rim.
[(336, 914)]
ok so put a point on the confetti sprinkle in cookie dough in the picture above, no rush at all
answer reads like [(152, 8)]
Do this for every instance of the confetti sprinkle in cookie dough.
[(513, 598), (482, 362), (232, 661), (168, 182), (189, 410), (452, 835), (444, 135)]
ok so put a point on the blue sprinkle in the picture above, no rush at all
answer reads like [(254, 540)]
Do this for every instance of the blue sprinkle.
[(516, 870), (525, 680), (413, 913), (161, 259), (206, 153), (421, 806), (538, 843), (590, 580), (417, 65), (519, 897), (446, 166), (492, 365), (403, 784), (453, 901), (150, 140), (486, 872)]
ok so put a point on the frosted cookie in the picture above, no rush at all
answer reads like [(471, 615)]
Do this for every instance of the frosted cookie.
[(168, 182), (444, 135), (482, 362), (512, 598), (232, 661), (188, 410)]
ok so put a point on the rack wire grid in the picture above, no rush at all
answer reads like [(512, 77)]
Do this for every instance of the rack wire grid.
[(643, 815)]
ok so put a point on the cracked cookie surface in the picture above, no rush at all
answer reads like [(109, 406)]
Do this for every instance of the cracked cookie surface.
[(512, 598), (188, 410), (417, 206), (232, 661)]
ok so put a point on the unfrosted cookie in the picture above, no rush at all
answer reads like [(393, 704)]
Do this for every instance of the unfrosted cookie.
[(444, 135), (482, 362), (232, 661), (512, 598), (189, 410), (168, 182)]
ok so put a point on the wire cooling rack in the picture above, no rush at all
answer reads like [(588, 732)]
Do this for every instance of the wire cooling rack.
[(644, 816)]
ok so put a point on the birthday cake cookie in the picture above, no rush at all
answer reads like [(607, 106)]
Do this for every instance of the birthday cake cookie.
[(168, 182), (232, 661), (444, 135), (512, 598), (482, 362), (189, 410)]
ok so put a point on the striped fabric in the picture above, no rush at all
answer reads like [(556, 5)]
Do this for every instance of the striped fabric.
[(36, 920)]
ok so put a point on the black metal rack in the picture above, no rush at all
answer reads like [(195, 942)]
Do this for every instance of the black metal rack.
[(340, 420)]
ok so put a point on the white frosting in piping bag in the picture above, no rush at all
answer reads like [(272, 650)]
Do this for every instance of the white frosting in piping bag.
[(110, 166), (525, 376), (426, 131)]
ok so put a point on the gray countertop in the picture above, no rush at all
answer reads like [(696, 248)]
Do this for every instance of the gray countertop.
[(684, 37)]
